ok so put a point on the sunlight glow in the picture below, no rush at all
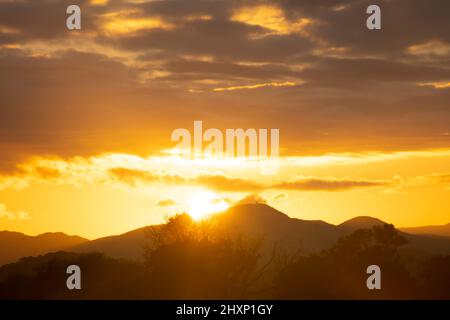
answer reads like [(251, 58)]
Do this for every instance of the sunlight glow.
[(205, 203)]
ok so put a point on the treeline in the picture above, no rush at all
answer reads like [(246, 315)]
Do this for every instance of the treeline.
[(190, 260)]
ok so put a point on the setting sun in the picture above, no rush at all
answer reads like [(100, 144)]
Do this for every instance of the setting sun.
[(205, 203)]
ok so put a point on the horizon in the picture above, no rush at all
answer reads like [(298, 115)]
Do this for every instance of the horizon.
[(225, 211)]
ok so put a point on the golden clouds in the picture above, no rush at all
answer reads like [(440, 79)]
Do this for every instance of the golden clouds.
[(257, 86), (203, 17), (430, 48), (8, 30), (136, 172), (437, 85), (98, 2), (269, 17), (130, 21), (7, 214), (223, 183)]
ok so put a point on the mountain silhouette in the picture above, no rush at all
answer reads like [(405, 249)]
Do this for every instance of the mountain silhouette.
[(257, 221), (443, 231), (260, 221), (272, 226), (15, 245), (128, 245), (361, 222)]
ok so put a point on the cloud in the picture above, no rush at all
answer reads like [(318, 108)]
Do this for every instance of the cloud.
[(114, 86), (127, 22), (228, 184), (257, 86), (399, 183), (269, 17), (222, 183), (434, 178), (401, 27), (47, 173), (343, 72), (437, 85), (279, 197), (328, 184), (6, 214), (430, 49), (166, 203), (136, 172), (135, 177), (132, 176), (251, 199)]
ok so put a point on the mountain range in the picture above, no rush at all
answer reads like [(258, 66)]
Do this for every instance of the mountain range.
[(15, 245), (258, 221)]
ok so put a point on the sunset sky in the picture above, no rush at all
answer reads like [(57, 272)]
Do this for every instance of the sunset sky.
[(86, 116)]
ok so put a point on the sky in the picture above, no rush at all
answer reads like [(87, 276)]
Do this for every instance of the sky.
[(86, 116)]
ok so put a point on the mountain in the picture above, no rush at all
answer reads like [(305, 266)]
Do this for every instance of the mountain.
[(254, 221), (442, 231), (362, 222), (418, 244), (128, 245), (265, 222), (260, 221), (15, 245)]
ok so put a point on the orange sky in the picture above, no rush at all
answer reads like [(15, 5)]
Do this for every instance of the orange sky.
[(86, 116)]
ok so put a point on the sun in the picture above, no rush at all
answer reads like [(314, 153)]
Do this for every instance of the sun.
[(205, 203)]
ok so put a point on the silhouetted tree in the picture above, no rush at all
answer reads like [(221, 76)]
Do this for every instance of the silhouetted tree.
[(45, 278), (187, 259), (340, 272), (435, 276)]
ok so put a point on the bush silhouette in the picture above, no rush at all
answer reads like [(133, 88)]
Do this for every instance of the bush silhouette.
[(340, 272), (189, 260)]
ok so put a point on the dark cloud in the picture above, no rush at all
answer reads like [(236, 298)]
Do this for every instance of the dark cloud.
[(98, 92), (353, 73), (219, 38), (51, 105), (178, 9), (43, 19), (225, 70), (404, 23)]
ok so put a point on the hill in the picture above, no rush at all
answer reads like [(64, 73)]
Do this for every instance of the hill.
[(15, 245), (442, 231), (362, 222), (128, 245), (260, 221)]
